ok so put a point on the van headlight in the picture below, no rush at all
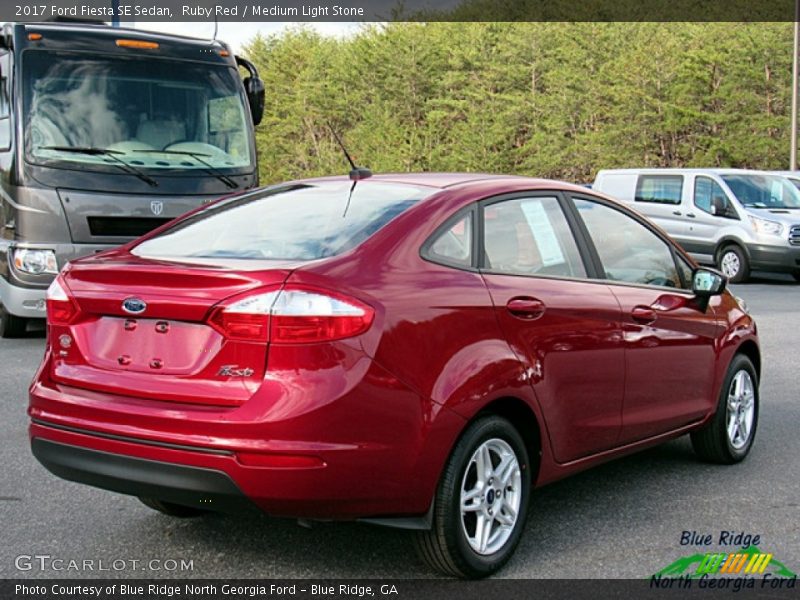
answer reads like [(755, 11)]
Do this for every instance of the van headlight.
[(765, 226), (35, 261)]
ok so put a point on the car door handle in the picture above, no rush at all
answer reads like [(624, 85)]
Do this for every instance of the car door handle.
[(525, 307), (677, 213), (643, 314), (691, 215)]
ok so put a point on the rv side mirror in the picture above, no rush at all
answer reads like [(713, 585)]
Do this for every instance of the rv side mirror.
[(254, 88)]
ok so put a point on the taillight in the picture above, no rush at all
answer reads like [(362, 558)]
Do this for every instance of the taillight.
[(61, 310), (246, 319), (293, 316)]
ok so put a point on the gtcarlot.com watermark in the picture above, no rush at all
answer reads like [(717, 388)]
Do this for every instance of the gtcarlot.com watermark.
[(57, 564)]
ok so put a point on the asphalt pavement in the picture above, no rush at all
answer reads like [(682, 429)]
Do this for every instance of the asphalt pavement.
[(621, 520)]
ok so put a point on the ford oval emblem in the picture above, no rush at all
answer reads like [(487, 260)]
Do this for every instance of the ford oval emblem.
[(133, 306)]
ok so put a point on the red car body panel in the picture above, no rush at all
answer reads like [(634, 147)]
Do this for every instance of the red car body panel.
[(361, 427)]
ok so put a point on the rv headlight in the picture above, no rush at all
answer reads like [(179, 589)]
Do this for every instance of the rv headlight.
[(35, 262), (768, 227)]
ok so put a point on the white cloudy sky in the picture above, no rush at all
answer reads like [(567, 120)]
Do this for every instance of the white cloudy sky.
[(238, 34)]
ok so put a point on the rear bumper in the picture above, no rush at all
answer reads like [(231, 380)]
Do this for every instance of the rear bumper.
[(373, 452), (186, 485)]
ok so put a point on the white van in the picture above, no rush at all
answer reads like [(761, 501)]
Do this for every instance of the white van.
[(734, 218)]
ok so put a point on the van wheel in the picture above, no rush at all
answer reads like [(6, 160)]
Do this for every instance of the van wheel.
[(11, 326), (733, 263), (727, 439), (481, 502), (172, 510)]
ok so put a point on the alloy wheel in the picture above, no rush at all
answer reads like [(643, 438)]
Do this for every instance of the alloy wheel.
[(491, 494)]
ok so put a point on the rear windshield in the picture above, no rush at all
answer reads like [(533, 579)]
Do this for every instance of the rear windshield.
[(303, 222)]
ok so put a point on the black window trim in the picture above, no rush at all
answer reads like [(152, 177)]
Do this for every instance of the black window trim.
[(677, 176), (675, 251)]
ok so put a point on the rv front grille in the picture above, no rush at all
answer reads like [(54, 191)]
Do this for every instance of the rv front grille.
[(123, 226)]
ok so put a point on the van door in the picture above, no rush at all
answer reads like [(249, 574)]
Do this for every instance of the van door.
[(710, 211)]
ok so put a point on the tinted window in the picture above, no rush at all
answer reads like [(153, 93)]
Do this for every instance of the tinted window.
[(303, 222), (454, 244), (629, 251), (529, 236), (660, 189), (709, 197)]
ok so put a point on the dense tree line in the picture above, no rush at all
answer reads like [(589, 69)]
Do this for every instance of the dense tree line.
[(544, 99)]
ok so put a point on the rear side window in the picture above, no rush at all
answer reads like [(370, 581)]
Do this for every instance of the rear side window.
[(659, 189), (453, 246), (303, 222), (530, 236)]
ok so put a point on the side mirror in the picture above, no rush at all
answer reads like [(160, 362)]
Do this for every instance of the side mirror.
[(254, 88), (707, 283)]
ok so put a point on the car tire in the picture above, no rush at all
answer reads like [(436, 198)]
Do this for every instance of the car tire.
[(728, 437), (11, 326), (796, 275), (172, 510), (496, 502), (733, 263)]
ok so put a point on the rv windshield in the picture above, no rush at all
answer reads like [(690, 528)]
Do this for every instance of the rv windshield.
[(151, 114), (763, 191)]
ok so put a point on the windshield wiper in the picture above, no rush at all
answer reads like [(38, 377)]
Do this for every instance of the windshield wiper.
[(112, 154), (209, 168)]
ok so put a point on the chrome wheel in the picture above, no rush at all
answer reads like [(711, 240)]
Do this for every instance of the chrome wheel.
[(491, 493), (730, 264), (740, 409)]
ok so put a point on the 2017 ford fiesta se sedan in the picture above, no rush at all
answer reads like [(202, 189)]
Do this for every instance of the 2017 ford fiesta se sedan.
[(417, 350)]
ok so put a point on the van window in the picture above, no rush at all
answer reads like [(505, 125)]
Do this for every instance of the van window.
[(659, 189), (709, 197)]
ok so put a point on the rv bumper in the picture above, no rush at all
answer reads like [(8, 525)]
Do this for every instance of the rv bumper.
[(23, 302)]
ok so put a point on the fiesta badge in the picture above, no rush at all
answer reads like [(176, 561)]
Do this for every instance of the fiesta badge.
[(134, 306)]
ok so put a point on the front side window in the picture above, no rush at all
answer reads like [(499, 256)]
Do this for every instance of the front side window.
[(303, 222), (530, 236), (659, 189), (629, 251), (710, 197), (153, 114)]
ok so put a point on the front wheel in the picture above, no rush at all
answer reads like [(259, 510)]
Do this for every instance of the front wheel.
[(481, 503), (727, 439), (733, 263)]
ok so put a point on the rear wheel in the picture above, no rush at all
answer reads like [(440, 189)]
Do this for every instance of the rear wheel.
[(733, 263), (481, 503), (11, 326), (727, 439), (171, 509)]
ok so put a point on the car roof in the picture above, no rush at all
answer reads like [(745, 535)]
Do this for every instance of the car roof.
[(449, 180)]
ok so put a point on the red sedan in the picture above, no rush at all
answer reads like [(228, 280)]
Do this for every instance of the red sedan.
[(417, 351)]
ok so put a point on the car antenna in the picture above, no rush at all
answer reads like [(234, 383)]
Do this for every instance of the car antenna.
[(356, 173)]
